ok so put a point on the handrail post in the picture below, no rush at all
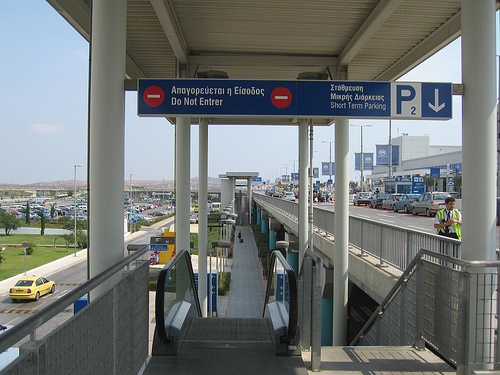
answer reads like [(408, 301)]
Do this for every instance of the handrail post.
[(317, 292), (419, 323), (307, 302), (463, 323)]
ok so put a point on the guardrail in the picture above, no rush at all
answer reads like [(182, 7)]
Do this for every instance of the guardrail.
[(74, 344), (389, 243), (454, 305)]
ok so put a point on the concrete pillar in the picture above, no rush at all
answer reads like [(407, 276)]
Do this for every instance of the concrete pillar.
[(479, 135), (107, 138), (303, 190), (182, 183), (258, 221), (479, 129), (226, 192), (249, 184), (202, 215), (341, 229), (264, 227)]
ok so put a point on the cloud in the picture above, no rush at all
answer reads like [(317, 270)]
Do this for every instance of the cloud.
[(47, 129)]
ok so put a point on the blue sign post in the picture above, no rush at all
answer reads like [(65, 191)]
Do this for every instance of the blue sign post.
[(206, 97)]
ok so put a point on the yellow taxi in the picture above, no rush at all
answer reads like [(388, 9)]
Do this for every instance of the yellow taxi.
[(31, 287)]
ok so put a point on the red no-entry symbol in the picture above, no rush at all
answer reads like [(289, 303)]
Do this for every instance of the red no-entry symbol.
[(281, 97), (153, 96)]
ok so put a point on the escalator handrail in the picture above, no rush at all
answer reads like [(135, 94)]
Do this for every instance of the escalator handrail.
[(160, 295), (292, 288)]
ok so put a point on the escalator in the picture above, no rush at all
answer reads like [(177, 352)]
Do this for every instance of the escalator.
[(187, 343)]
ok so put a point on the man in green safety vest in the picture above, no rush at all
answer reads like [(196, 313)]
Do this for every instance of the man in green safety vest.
[(448, 221)]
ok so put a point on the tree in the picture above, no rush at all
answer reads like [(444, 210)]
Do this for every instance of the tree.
[(8, 221), (42, 224), (68, 239), (52, 211), (429, 181), (28, 213)]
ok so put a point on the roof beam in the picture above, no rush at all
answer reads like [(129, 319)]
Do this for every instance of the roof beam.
[(440, 38), (166, 16), (260, 60), (76, 13), (376, 18)]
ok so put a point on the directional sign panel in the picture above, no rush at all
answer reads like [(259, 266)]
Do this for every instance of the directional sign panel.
[(420, 100), (330, 99), (222, 97)]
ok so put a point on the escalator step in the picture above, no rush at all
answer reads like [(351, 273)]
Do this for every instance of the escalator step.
[(229, 329)]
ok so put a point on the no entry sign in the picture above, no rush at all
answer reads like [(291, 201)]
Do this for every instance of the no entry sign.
[(301, 98)]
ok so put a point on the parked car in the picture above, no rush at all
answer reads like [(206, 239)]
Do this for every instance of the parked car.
[(361, 198), (405, 203), (390, 201), (429, 203), (31, 287), (376, 200)]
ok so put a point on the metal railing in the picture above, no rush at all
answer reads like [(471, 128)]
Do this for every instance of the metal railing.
[(117, 318), (389, 243), (445, 303)]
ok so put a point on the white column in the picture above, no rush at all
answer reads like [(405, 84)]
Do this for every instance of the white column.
[(303, 190), (341, 230), (202, 215), (182, 183), (479, 129), (107, 137), (479, 164), (226, 191)]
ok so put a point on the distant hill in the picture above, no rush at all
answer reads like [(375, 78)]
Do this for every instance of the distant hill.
[(212, 183)]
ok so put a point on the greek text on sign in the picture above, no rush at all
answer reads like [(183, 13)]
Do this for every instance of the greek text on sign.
[(301, 98)]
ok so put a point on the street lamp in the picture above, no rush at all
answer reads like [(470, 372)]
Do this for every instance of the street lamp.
[(330, 165), (74, 206), (130, 187), (362, 160)]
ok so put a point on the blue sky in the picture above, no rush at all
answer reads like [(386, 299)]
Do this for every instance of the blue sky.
[(43, 113)]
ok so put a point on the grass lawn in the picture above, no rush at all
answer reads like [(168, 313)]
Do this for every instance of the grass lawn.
[(13, 263)]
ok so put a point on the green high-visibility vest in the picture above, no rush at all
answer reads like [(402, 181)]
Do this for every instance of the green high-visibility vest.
[(455, 215)]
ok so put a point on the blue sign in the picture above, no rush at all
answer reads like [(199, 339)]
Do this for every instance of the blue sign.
[(417, 185), (342, 98), (315, 172), (435, 172), (367, 161), (208, 97), (295, 176), (158, 247)]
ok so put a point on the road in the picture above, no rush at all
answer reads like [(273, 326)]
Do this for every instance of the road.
[(14, 312), (419, 223)]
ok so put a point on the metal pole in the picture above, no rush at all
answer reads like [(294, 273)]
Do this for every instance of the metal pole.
[(311, 174), (390, 149), (74, 206)]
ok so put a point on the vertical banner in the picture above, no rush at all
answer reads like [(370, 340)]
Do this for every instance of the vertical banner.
[(325, 170), (367, 161), (382, 152)]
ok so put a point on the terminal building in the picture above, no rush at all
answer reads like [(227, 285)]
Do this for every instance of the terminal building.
[(413, 157)]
